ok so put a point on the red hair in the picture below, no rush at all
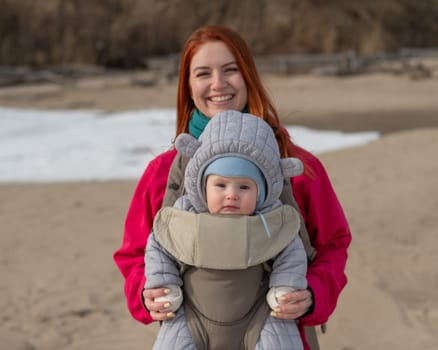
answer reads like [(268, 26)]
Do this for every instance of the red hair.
[(259, 103)]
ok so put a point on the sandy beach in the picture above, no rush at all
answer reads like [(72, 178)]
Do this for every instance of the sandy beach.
[(62, 290)]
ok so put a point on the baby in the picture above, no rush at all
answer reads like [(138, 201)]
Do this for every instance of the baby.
[(229, 242)]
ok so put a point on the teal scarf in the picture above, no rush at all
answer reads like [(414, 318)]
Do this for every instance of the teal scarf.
[(198, 122)]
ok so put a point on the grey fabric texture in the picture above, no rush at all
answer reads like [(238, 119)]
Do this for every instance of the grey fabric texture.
[(233, 133), (279, 335), (161, 267), (174, 334)]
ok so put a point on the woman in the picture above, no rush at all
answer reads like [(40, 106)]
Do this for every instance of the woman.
[(217, 73)]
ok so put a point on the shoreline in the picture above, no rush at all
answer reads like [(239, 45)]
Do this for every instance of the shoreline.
[(369, 102)]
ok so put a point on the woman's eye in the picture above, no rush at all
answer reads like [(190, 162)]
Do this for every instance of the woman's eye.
[(202, 74), (232, 69)]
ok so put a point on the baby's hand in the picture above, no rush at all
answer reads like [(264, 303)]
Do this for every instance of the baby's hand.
[(275, 293), (174, 297)]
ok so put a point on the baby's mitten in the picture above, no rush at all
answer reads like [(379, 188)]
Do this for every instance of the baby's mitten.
[(175, 297), (276, 292)]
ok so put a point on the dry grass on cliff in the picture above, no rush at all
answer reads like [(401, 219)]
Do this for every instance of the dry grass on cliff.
[(125, 33)]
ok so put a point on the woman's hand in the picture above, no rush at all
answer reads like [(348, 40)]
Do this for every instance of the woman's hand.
[(293, 305), (157, 310)]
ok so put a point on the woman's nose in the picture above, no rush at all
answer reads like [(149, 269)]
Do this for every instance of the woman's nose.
[(219, 81)]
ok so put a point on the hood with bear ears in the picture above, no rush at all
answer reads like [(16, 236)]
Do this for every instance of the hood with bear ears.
[(232, 133)]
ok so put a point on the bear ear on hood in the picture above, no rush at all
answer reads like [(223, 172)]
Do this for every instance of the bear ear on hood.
[(291, 167), (187, 144)]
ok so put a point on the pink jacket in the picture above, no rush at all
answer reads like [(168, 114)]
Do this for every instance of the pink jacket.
[(321, 210)]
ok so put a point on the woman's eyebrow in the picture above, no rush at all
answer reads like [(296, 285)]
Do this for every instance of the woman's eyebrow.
[(229, 63), (200, 67), (208, 67)]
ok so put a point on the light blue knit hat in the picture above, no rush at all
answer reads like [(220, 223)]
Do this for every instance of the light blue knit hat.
[(238, 167)]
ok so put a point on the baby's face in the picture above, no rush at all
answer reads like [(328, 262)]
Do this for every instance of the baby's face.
[(230, 195)]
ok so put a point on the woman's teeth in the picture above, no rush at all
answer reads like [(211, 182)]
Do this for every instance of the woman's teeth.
[(221, 98)]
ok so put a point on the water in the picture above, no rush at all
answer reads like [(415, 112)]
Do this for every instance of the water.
[(72, 145)]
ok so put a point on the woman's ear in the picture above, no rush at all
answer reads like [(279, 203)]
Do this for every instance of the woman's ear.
[(187, 144), (291, 167)]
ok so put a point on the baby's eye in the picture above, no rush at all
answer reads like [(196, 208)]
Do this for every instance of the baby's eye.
[(244, 187), (220, 185)]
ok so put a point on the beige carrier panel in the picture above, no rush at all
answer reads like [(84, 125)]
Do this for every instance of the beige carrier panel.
[(225, 241)]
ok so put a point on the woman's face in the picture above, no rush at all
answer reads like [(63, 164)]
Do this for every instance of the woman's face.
[(216, 83)]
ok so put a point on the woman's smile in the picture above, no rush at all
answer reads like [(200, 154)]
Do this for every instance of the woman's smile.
[(224, 98)]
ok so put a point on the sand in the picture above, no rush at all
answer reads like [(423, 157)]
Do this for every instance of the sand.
[(61, 290)]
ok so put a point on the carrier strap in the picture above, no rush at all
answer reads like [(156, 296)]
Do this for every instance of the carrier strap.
[(175, 180)]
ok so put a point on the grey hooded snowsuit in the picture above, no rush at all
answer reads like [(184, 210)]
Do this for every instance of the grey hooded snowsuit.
[(226, 263)]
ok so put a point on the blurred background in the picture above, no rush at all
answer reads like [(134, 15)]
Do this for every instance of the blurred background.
[(125, 33)]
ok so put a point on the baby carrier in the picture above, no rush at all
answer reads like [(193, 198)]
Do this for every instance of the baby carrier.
[(175, 189)]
